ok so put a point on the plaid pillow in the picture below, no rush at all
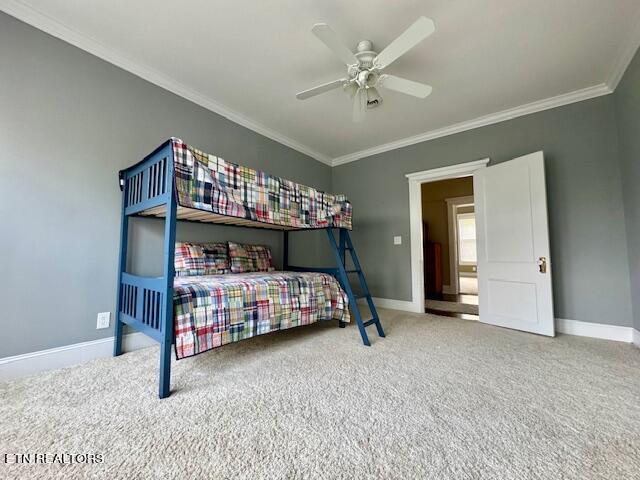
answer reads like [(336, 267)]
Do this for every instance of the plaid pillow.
[(216, 258), (250, 258), (201, 259), (189, 259)]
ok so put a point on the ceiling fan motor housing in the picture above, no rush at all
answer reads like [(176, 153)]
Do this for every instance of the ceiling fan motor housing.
[(364, 75), (365, 54)]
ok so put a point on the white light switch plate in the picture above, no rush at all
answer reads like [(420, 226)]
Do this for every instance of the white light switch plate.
[(397, 240), (104, 319)]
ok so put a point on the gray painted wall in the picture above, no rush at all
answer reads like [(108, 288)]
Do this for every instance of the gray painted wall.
[(68, 122), (627, 98), (588, 242)]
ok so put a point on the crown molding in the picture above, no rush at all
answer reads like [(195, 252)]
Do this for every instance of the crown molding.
[(625, 56), (533, 107), (51, 26)]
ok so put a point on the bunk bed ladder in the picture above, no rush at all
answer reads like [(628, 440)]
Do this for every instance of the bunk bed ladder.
[(340, 249)]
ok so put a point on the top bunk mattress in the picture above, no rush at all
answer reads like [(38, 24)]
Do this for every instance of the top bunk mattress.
[(210, 183)]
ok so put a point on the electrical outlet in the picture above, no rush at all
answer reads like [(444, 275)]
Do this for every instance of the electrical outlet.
[(104, 319), (397, 240)]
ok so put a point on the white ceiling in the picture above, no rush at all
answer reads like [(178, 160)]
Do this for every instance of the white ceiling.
[(247, 59)]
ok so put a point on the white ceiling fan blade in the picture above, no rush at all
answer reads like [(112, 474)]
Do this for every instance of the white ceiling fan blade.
[(413, 35), (325, 87), (330, 38), (402, 85), (359, 105)]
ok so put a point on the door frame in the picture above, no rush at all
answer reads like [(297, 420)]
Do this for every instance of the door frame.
[(452, 207), (415, 219)]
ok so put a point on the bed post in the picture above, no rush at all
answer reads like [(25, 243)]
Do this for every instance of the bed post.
[(122, 264), (167, 331)]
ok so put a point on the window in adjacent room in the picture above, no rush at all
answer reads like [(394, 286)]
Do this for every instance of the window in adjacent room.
[(467, 239)]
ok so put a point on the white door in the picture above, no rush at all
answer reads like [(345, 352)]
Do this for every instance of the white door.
[(514, 269)]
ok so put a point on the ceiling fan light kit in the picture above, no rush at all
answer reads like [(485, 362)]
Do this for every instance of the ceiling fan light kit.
[(365, 66)]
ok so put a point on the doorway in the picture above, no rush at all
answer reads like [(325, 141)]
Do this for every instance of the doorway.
[(513, 264), (449, 248), (416, 182)]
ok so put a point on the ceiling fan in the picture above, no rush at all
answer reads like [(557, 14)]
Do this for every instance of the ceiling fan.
[(364, 68)]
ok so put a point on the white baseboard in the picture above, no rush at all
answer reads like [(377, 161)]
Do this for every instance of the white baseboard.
[(53, 358), (595, 330), (563, 325)]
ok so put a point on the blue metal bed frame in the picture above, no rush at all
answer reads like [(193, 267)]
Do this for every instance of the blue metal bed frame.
[(146, 303)]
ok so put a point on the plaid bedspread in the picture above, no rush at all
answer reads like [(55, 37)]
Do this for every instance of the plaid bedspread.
[(207, 182), (213, 310)]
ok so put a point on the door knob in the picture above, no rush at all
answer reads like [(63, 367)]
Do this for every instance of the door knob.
[(542, 264)]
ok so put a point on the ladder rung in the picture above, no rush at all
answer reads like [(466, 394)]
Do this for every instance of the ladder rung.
[(341, 271)]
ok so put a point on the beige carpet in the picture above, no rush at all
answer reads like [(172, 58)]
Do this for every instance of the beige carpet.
[(440, 398)]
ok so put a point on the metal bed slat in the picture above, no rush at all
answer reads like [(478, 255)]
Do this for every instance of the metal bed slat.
[(156, 169), (153, 176), (149, 188), (155, 179), (145, 320), (154, 310), (126, 298), (158, 305), (164, 175), (147, 312), (128, 304)]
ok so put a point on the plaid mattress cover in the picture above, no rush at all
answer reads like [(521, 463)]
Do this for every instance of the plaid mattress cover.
[(207, 182), (213, 310)]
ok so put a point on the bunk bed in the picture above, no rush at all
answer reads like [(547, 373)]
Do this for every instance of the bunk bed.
[(199, 303)]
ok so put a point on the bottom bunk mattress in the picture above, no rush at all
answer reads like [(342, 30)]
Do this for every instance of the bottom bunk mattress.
[(213, 310)]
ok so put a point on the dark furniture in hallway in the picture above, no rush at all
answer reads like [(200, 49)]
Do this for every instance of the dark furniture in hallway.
[(432, 254)]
